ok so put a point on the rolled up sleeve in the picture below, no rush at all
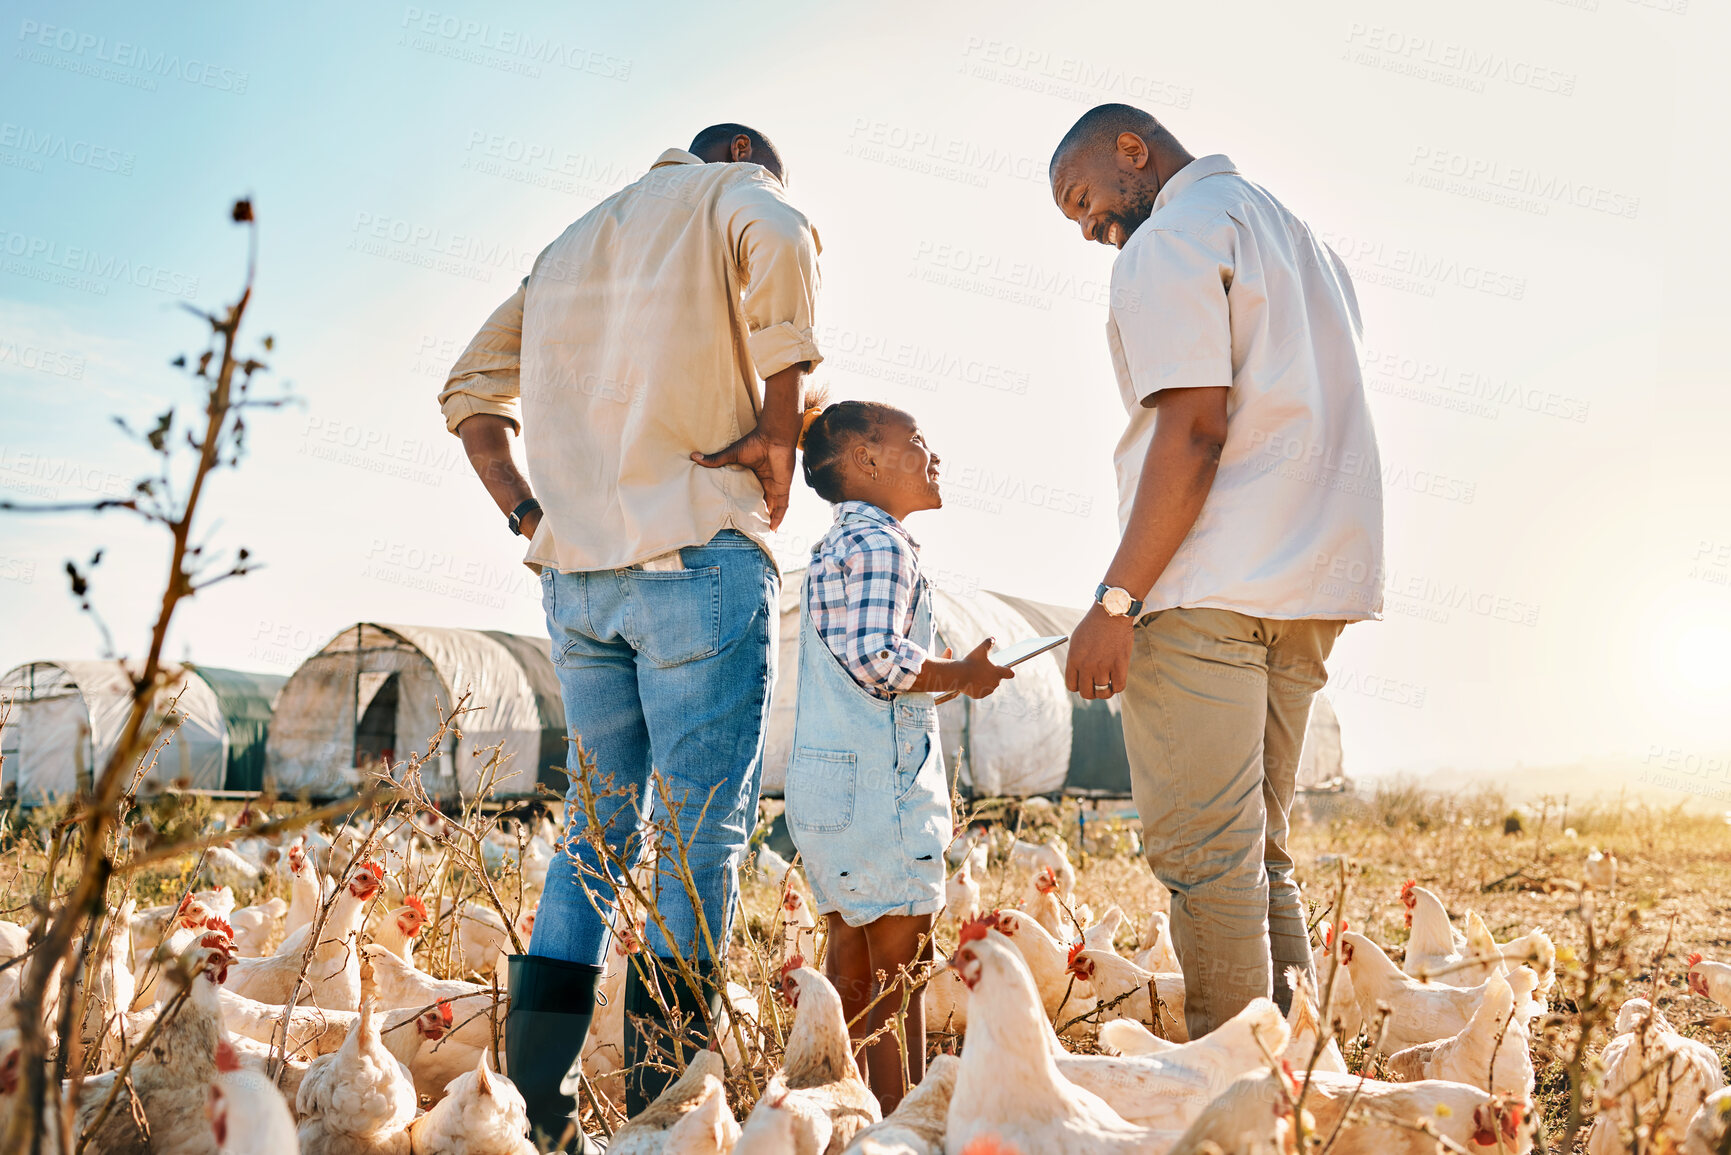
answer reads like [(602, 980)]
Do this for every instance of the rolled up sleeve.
[(1171, 321), (776, 251), (485, 378)]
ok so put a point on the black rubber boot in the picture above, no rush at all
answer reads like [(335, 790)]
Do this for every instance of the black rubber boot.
[(649, 1038), (552, 1003)]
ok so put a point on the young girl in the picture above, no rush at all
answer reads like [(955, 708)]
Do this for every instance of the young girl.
[(868, 802)]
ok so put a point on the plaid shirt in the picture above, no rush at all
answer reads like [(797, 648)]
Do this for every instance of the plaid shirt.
[(865, 575)]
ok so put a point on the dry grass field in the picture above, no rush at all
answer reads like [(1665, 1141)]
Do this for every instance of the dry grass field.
[(1517, 868)]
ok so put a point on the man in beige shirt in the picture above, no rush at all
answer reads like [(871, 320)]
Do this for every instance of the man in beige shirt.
[(652, 362), (1250, 504)]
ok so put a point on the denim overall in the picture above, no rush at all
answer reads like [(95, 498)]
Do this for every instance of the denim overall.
[(868, 803)]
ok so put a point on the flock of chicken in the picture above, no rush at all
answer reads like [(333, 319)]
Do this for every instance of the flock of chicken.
[(375, 1055)]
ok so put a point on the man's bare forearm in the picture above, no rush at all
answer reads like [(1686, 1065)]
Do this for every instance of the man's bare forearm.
[(783, 401), (487, 443), (1177, 474)]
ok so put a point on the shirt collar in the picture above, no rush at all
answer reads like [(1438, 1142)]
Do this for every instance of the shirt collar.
[(676, 156), (866, 511), (1191, 173)]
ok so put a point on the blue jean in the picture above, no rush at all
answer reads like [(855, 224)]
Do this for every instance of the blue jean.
[(670, 670)]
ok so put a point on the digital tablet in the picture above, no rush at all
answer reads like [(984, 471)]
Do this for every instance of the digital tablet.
[(1015, 654)]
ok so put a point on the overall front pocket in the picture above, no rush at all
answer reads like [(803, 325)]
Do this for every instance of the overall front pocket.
[(820, 789)]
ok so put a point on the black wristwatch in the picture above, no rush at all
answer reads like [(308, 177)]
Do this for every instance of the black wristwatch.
[(515, 518)]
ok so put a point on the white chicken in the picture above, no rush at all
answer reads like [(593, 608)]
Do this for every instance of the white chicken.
[(184, 927), (223, 867), (1051, 854), (817, 1102), (481, 935), (14, 940), (397, 929), (1434, 949), (306, 888), (916, 1126), (1008, 1089), (1493, 1046), (798, 924), (480, 1113), (1600, 872), (1167, 1089), (1042, 902), (360, 1099), (691, 1112), (1103, 934), (1305, 1022), (1418, 1012), (172, 1081), (770, 867), (332, 978), (1048, 960), (1654, 1077), (1482, 951), (401, 985), (1254, 1117), (961, 894), (1710, 980), (248, 1115), (604, 1048), (255, 926), (1158, 954), (1344, 1017), (112, 990), (1124, 990), (1708, 1129), (1534, 949)]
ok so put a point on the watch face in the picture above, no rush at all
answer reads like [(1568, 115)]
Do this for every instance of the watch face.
[(1116, 601)]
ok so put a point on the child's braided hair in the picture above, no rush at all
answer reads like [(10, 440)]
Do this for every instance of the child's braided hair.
[(829, 432)]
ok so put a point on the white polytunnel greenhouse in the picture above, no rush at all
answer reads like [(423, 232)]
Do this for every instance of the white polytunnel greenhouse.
[(374, 693), (67, 718)]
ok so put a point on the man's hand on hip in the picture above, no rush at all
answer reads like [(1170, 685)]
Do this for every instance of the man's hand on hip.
[(771, 460), (1099, 663), (768, 450)]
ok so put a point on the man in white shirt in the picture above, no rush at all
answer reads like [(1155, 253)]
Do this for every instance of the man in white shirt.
[(1250, 506), (662, 337)]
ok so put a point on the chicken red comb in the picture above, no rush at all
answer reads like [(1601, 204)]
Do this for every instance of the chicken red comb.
[(1695, 958), (1076, 949), (221, 925), (226, 1059), (791, 899), (415, 903), (376, 869), (793, 963), (446, 1015), (1406, 897), (976, 928), (1048, 880)]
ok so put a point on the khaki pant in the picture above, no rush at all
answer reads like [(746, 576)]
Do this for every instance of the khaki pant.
[(1214, 719)]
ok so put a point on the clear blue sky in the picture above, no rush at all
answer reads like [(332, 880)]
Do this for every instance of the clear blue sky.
[(1529, 193)]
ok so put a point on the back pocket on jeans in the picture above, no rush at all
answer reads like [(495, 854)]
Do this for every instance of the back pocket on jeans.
[(673, 616), (820, 789)]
